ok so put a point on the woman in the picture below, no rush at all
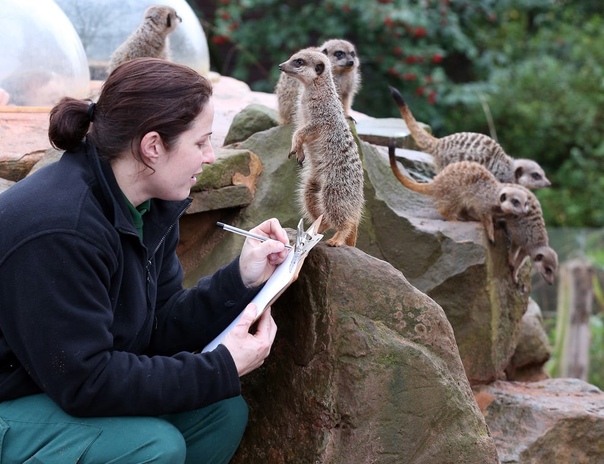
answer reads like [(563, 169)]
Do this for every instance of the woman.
[(98, 338)]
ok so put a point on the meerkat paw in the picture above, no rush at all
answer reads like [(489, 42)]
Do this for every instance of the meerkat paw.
[(346, 236), (333, 242), (300, 155)]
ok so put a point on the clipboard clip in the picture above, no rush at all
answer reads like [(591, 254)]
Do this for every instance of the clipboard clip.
[(305, 240)]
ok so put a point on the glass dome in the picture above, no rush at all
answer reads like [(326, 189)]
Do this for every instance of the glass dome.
[(42, 56), (104, 25)]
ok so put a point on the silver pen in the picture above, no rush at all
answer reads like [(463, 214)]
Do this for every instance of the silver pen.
[(245, 233)]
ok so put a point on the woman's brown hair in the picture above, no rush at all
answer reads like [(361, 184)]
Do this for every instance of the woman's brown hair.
[(140, 96)]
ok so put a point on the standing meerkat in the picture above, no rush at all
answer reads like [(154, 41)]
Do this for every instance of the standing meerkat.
[(332, 178), (467, 190), (150, 39), (472, 146), (529, 239), (346, 73)]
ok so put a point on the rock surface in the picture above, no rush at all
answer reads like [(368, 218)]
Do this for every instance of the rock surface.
[(548, 422), (533, 349), (452, 262), (364, 369)]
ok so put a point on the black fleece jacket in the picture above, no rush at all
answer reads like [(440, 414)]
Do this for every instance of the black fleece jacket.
[(93, 316)]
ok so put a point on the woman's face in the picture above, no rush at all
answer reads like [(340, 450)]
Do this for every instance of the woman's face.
[(176, 171)]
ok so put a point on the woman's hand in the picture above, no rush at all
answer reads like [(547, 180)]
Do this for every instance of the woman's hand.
[(250, 350), (259, 259)]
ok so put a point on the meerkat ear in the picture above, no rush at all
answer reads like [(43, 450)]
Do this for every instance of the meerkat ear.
[(518, 172), (324, 51), (503, 197), (319, 68)]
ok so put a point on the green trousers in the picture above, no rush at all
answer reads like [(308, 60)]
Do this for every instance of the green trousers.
[(34, 430)]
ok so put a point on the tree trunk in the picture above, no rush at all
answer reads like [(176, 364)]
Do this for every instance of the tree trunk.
[(575, 297)]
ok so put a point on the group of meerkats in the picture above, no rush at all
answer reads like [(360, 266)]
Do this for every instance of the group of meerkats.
[(475, 181)]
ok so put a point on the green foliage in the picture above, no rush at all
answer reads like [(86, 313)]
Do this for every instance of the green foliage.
[(404, 43)]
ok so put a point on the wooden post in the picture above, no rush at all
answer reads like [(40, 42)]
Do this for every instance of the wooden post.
[(575, 299)]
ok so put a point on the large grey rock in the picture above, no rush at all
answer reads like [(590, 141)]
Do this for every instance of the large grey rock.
[(364, 369), (229, 182), (452, 262), (548, 422), (223, 188), (253, 118), (533, 349), (274, 196)]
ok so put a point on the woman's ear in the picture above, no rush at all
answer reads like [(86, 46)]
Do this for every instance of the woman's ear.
[(151, 147)]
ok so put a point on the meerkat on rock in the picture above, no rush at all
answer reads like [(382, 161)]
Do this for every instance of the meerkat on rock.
[(346, 73), (472, 146), (332, 172), (150, 39), (466, 191), (529, 240)]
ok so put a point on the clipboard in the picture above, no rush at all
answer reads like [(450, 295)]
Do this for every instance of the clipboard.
[(283, 276)]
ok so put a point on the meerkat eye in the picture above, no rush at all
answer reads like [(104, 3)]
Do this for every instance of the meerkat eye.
[(339, 54), (515, 202), (539, 257), (536, 176), (299, 62), (353, 54), (169, 22)]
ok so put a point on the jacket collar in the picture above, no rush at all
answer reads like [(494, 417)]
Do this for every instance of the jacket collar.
[(162, 216)]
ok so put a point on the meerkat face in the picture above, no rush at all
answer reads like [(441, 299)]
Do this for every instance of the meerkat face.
[(513, 201), (545, 260), (529, 174), (164, 17), (306, 66), (342, 55)]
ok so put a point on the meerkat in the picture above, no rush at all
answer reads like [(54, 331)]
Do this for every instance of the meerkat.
[(346, 73), (529, 240), (332, 178), (150, 39), (472, 146), (466, 190)]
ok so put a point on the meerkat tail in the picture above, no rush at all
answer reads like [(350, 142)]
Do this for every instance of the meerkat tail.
[(409, 183), (424, 140)]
